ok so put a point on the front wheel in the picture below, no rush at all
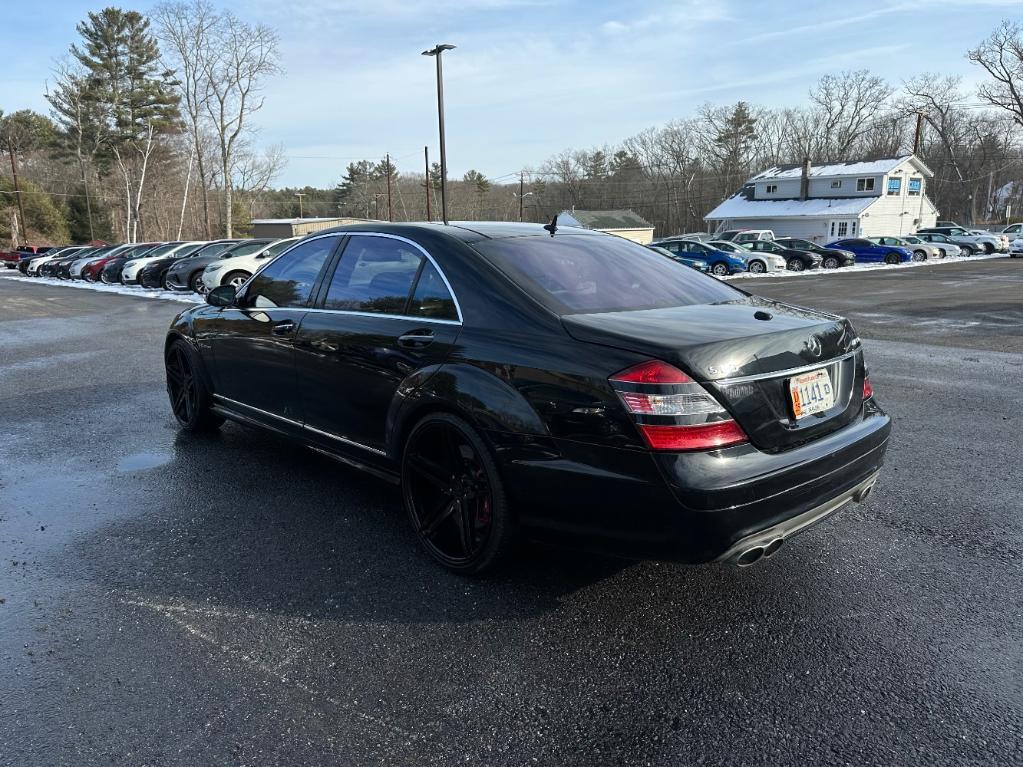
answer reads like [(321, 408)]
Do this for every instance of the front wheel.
[(830, 263), (454, 496), (196, 283), (967, 250), (795, 265), (757, 267), (892, 259), (720, 269), (919, 255), (191, 399), (236, 279)]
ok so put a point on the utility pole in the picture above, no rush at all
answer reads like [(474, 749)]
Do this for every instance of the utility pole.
[(522, 183), (436, 52), (390, 210), (17, 190), (426, 156), (300, 195), (919, 132)]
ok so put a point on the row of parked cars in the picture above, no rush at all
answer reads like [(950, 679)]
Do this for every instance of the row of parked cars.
[(183, 266), (760, 251)]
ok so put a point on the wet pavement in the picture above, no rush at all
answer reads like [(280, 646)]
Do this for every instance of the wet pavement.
[(234, 600)]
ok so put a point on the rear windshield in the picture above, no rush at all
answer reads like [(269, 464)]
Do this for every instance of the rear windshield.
[(572, 274)]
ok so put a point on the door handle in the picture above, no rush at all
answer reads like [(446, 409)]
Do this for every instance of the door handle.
[(283, 327), (416, 339)]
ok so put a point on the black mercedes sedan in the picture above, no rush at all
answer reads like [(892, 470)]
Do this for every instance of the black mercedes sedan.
[(544, 382)]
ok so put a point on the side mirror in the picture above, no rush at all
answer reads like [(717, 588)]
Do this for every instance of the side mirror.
[(222, 296)]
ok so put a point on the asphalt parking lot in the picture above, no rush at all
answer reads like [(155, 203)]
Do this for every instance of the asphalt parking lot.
[(167, 600)]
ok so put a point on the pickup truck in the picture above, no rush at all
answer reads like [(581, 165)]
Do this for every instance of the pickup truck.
[(12, 258), (971, 242)]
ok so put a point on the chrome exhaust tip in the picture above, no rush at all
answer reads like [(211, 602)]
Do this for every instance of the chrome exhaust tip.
[(772, 548), (861, 495), (750, 556)]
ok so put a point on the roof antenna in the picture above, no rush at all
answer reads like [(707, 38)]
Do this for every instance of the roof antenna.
[(552, 227)]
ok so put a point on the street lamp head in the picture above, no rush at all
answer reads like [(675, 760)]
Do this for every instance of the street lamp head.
[(438, 49)]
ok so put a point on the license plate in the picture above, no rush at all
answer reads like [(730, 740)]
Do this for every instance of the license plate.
[(811, 393)]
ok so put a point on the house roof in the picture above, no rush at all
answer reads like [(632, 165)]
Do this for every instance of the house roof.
[(292, 220), (604, 219), (851, 168), (741, 205)]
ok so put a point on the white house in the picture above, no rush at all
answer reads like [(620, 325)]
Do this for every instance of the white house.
[(867, 198)]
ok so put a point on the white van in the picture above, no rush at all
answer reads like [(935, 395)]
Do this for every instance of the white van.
[(746, 235)]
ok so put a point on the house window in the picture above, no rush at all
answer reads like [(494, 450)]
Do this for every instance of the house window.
[(772, 188), (864, 185), (843, 228), (836, 184), (852, 228), (894, 187), (915, 185)]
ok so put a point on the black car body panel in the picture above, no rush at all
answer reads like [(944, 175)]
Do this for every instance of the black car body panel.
[(845, 257), (535, 383)]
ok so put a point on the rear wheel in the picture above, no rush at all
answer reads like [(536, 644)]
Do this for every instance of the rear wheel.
[(757, 267), (830, 262), (454, 496), (235, 279), (720, 269), (190, 397), (795, 265), (892, 259)]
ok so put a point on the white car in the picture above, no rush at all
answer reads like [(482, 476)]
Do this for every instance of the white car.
[(35, 263), (131, 269), (1016, 248), (757, 264), (77, 266), (241, 263)]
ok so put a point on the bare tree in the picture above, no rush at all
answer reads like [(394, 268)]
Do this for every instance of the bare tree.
[(187, 31), (241, 57), (847, 105), (1001, 55)]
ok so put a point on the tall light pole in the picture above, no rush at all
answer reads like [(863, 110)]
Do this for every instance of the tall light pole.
[(436, 53), (300, 195)]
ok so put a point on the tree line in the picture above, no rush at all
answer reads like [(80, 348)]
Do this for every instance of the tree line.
[(151, 136)]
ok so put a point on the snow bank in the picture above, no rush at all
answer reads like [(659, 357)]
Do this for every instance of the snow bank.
[(859, 268), (102, 287)]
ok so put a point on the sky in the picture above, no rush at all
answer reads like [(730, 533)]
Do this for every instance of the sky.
[(530, 78)]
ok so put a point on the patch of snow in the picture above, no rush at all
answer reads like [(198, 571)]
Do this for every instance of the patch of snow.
[(865, 168), (738, 206), (860, 268), (102, 287)]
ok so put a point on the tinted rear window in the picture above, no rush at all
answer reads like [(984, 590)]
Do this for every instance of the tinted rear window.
[(573, 274)]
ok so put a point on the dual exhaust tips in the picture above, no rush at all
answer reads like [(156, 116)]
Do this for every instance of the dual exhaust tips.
[(768, 547)]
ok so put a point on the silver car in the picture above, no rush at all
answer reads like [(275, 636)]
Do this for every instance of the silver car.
[(922, 251)]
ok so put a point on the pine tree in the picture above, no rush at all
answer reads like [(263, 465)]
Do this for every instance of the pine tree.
[(128, 95)]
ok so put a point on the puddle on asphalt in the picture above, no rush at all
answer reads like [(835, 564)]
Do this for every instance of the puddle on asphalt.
[(142, 461)]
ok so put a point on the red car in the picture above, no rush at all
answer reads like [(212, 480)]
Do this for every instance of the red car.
[(12, 258), (91, 272)]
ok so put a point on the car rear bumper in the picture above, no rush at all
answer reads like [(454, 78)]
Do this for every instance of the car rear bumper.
[(691, 507)]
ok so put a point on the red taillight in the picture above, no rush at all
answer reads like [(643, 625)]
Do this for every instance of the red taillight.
[(652, 372), (868, 390), (672, 411), (705, 436)]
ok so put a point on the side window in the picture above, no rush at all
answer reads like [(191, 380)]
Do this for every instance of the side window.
[(289, 280), (375, 274), (431, 297)]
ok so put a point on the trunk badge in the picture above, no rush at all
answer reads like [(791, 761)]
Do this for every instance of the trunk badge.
[(813, 345)]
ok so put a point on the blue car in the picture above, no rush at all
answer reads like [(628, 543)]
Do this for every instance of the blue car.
[(871, 252), (694, 263), (719, 262)]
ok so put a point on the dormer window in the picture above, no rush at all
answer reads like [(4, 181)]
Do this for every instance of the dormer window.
[(915, 185), (836, 184), (894, 187), (772, 188), (864, 185)]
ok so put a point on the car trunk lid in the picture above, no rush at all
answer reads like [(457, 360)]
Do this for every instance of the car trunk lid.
[(744, 353)]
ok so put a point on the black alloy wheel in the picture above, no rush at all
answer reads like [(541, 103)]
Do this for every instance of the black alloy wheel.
[(796, 265), (989, 248), (454, 496), (196, 284), (892, 259), (830, 262), (189, 395), (757, 267)]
